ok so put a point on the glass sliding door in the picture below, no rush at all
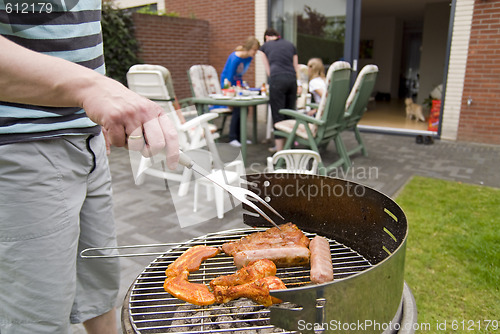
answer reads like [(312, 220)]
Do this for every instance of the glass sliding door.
[(316, 27)]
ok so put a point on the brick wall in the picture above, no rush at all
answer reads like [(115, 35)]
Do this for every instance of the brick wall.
[(480, 121), (230, 23), (173, 42)]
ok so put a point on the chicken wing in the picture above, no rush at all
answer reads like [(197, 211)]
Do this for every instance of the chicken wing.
[(255, 270), (258, 291), (191, 260), (179, 287)]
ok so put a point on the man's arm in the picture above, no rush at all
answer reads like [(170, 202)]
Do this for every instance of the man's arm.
[(265, 61), (296, 63), (34, 78)]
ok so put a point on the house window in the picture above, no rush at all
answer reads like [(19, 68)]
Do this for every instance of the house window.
[(316, 27)]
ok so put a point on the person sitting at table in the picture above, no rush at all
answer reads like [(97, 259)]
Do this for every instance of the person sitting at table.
[(317, 81), (237, 64)]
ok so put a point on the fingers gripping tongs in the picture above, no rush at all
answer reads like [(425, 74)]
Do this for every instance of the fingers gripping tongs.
[(239, 193)]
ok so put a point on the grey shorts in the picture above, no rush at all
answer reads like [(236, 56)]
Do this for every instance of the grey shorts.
[(55, 200)]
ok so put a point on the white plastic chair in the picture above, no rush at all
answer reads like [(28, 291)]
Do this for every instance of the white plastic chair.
[(152, 166), (231, 174), (155, 82), (296, 161)]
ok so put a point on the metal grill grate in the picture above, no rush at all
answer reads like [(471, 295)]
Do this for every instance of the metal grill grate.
[(152, 310)]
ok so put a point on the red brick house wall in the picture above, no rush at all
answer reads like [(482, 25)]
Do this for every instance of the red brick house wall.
[(480, 121), (230, 23), (173, 42)]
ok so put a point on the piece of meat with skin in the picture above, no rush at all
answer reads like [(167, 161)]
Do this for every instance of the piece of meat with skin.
[(191, 260), (282, 257), (254, 271), (288, 235), (321, 260), (197, 294), (258, 291)]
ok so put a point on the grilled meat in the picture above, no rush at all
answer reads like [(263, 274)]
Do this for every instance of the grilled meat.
[(254, 271), (282, 257), (191, 260), (288, 235), (258, 291), (179, 287), (321, 260), (286, 247)]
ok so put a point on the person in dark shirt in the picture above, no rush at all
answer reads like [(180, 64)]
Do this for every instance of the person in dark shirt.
[(281, 64)]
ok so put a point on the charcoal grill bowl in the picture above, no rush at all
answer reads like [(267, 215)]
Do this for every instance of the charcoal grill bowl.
[(358, 216)]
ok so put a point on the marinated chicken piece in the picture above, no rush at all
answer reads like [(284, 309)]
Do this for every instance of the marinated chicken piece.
[(191, 260), (254, 271), (179, 287), (288, 256), (258, 291), (288, 235), (321, 260)]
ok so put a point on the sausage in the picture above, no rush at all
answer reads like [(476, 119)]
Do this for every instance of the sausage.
[(321, 260), (283, 257)]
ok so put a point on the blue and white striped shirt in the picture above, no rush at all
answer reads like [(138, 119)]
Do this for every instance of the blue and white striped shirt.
[(69, 29)]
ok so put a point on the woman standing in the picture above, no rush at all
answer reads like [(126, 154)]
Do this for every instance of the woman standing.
[(237, 64), (281, 63)]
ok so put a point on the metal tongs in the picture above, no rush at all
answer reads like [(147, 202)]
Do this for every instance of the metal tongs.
[(239, 193)]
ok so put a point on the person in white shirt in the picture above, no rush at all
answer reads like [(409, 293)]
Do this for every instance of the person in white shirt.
[(317, 82)]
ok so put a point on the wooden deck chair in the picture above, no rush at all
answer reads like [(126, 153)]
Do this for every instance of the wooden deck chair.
[(356, 104), (326, 125), (204, 81)]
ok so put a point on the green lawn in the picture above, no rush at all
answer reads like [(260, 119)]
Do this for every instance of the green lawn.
[(453, 254)]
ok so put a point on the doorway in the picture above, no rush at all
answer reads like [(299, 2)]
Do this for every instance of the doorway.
[(409, 41), (406, 39)]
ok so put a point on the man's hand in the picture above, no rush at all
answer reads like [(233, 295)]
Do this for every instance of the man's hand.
[(131, 120)]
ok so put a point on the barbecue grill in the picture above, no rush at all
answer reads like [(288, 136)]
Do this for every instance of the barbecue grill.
[(367, 233)]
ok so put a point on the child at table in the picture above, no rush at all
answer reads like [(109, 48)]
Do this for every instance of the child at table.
[(237, 64), (317, 81)]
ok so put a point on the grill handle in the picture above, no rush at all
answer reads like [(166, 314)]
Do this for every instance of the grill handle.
[(84, 254)]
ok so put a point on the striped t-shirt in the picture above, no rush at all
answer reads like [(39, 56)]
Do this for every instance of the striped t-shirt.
[(69, 29)]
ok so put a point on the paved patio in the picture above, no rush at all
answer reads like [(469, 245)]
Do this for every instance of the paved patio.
[(145, 214)]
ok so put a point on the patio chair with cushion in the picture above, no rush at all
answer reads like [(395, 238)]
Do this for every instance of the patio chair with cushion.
[(204, 81), (155, 83), (326, 125), (357, 102)]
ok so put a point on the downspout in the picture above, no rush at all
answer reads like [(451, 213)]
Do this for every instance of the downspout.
[(446, 64)]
